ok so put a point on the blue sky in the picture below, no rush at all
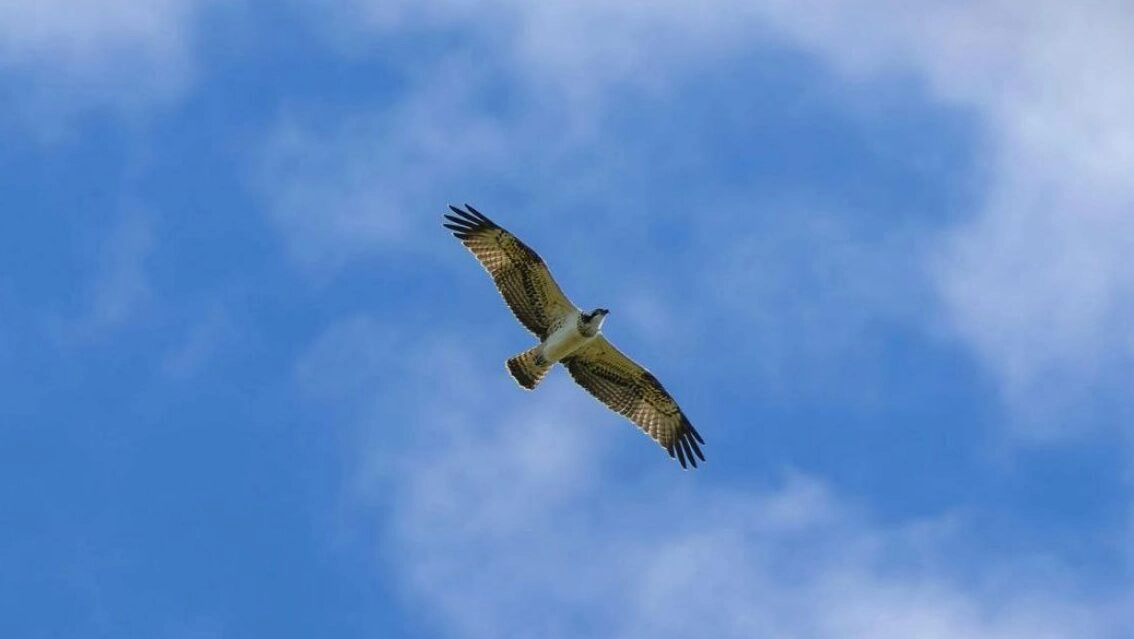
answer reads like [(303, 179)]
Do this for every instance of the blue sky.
[(880, 255)]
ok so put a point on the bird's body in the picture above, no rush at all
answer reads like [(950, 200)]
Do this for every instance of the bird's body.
[(572, 337), (566, 337)]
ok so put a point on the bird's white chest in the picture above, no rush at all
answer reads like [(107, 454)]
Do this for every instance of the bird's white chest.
[(564, 340)]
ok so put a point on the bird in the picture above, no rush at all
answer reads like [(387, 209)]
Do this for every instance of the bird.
[(572, 337)]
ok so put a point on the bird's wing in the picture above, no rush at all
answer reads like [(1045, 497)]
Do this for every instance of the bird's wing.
[(632, 391), (520, 274)]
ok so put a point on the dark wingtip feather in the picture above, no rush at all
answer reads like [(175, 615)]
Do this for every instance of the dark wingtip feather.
[(460, 232), (680, 456), (471, 218), (691, 436), (688, 451), (479, 215), (697, 449), (688, 426), (461, 217)]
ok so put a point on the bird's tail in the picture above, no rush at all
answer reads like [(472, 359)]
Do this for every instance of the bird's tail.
[(529, 367)]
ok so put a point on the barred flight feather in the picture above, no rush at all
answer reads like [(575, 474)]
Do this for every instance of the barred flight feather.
[(521, 276), (633, 392)]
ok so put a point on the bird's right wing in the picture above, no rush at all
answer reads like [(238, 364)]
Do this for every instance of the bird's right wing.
[(633, 392), (520, 274)]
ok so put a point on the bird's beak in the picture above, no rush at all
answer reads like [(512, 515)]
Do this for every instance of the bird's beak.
[(604, 311)]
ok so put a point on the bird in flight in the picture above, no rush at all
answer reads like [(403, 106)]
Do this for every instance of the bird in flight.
[(572, 337)]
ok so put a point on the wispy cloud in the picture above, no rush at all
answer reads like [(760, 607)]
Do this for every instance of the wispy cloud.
[(507, 516), (118, 290), (67, 57), (206, 333), (670, 161), (1031, 281), (77, 35), (537, 538), (791, 280), (342, 190)]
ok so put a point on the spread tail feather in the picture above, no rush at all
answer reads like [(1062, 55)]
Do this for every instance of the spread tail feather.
[(529, 367)]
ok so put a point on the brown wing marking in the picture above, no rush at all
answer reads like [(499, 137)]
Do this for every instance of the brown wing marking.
[(521, 276), (633, 392)]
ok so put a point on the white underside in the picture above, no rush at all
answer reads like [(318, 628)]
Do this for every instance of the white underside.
[(564, 340)]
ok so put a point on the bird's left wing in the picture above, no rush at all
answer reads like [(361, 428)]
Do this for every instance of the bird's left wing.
[(519, 273), (632, 391)]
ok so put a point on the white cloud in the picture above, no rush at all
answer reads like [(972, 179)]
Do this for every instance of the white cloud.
[(121, 285), (337, 193), (65, 57), (805, 295), (118, 290), (508, 516), (73, 33), (1033, 281), (209, 329)]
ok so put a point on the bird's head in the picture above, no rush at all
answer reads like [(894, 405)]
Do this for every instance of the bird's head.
[(595, 317)]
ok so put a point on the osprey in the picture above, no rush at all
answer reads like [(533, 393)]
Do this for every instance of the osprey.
[(572, 337)]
